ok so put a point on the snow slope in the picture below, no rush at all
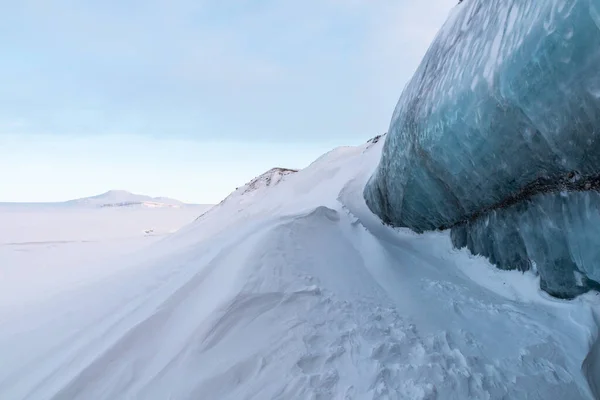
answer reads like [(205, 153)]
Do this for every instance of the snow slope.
[(301, 292)]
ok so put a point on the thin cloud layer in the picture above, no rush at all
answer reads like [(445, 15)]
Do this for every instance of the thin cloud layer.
[(279, 70)]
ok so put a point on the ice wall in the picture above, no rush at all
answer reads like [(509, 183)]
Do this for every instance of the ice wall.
[(497, 136)]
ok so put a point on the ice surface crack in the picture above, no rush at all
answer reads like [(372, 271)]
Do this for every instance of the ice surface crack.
[(572, 181)]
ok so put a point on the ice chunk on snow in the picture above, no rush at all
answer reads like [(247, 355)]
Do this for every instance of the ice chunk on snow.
[(502, 108)]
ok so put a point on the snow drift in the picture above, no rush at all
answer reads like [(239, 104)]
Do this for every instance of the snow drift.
[(296, 290)]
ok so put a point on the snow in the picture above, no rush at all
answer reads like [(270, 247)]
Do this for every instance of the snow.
[(293, 289), (43, 248)]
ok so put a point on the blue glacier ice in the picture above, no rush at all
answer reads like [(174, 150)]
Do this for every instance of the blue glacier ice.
[(497, 137)]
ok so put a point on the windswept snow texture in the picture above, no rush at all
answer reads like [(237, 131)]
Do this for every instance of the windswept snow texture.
[(498, 133), (296, 290)]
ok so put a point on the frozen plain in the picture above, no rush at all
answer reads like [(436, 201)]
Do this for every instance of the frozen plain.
[(290, 288)]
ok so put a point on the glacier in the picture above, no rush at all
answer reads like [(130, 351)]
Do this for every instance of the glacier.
[(496, 138)]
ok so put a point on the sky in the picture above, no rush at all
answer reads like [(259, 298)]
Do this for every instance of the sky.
[(192, 98)]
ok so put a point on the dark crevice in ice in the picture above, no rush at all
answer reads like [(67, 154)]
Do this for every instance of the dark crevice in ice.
[(571, 182)]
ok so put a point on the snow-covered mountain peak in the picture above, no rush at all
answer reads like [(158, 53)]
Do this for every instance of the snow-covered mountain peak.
[(270, 178), (257, 186), (115, 193), (123, 198)]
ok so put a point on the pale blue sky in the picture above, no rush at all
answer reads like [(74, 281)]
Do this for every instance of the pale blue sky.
[(191, 98)]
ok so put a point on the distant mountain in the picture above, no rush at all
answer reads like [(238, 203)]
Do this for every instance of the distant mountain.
[(122, 198)]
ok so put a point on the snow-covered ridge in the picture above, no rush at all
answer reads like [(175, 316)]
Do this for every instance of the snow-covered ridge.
[(147, 204), (271, 178), (296, 290)]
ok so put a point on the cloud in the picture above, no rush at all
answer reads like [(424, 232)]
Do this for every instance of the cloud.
[(310, 68), (220, 64), (234, 86)]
